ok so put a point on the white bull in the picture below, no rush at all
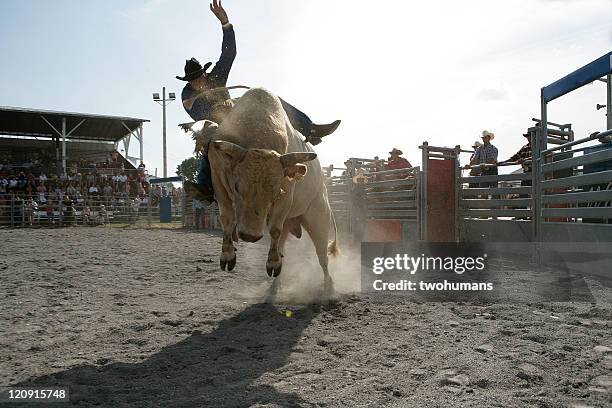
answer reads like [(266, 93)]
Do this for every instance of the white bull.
[(264, 173)]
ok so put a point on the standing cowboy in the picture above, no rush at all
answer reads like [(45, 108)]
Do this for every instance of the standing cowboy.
[(396, 161), (215, 104)]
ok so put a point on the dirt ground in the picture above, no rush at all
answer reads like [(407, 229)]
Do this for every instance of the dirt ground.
[(144, 318)]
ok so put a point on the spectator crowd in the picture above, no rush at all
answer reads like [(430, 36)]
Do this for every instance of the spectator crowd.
[(36, 183)]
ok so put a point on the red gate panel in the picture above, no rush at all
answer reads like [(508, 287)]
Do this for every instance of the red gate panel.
[(441, 200), (383, 231)]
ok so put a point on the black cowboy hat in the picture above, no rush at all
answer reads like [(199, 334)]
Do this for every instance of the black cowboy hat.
[(194, 70)]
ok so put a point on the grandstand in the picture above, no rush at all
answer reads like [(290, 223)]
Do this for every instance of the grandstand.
[(58, 160)]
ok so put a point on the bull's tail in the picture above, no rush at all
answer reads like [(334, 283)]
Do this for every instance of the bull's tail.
[(332, 247)]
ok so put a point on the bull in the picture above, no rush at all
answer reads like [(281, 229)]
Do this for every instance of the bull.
[(264, 173)]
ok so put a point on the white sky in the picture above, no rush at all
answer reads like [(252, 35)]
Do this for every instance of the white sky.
[(397, 73)]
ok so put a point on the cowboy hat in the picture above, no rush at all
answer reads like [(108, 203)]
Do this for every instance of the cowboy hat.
[(398, 151), (476, 144), (360, 178), (486, 133), (193, 70)]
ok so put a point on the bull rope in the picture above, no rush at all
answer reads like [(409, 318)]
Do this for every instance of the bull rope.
[(221, 88)]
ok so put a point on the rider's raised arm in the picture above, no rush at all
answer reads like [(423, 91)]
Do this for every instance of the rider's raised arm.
[(228, 48)]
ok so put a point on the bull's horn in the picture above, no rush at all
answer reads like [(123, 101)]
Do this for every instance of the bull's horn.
[(289, 159), (229, 148)]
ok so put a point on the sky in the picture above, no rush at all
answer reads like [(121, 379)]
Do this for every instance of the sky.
[(396, 73)]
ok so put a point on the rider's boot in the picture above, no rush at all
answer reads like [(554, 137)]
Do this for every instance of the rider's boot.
[(319, 131)]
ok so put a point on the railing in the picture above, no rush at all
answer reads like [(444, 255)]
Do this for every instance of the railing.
[(388, 194), (504, 195), (577, 188), (393, 194), (570, 185), (24, 212), (202, 216)]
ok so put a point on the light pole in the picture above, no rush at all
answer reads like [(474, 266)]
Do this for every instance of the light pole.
[(163, 101)]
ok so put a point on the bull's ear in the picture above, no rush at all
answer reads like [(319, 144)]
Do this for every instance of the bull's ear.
[(295, 172), (289, 159), (232, 150)]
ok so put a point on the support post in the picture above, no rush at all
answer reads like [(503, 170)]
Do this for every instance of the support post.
[(141, 143), (149, 215), (164, 130), (64, 145), (537, 162), (423, 199), (609, 101), (457, 189), (184, 204)]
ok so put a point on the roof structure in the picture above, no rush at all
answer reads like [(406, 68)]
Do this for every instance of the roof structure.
[(84, 126)]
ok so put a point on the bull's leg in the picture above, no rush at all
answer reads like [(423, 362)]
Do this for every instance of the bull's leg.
[(317, 222), (228, 251), (278, 235), (228, 223)]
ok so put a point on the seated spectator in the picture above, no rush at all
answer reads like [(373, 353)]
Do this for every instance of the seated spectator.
[(3, 185), (12, 183), (93, 191), (108, 192)]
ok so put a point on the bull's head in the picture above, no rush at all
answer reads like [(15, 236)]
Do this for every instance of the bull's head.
[(260, 178)]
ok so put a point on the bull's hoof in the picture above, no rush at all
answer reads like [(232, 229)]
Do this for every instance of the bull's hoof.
[(231, 264), (223, 263), (273, 272), (277, 271), (329, 292)]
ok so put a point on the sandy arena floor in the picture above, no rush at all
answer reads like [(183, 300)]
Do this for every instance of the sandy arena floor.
[(145, 318)]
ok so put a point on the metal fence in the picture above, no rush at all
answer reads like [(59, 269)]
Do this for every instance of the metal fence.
[(571, 182), (575, 183), (27, 212), (505, 195), (389, 194), (159, 206)]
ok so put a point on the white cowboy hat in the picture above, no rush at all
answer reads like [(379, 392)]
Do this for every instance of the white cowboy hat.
[(476, 144), (486, 133)]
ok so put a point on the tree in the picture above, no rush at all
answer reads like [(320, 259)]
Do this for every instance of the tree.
[(189, 168)]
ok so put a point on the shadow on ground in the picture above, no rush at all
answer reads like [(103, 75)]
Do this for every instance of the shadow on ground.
[(217, 369)]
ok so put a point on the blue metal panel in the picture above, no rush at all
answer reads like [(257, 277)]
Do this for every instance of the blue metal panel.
[(165, 209), (165, 180), (601, 166), (600, 67)]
